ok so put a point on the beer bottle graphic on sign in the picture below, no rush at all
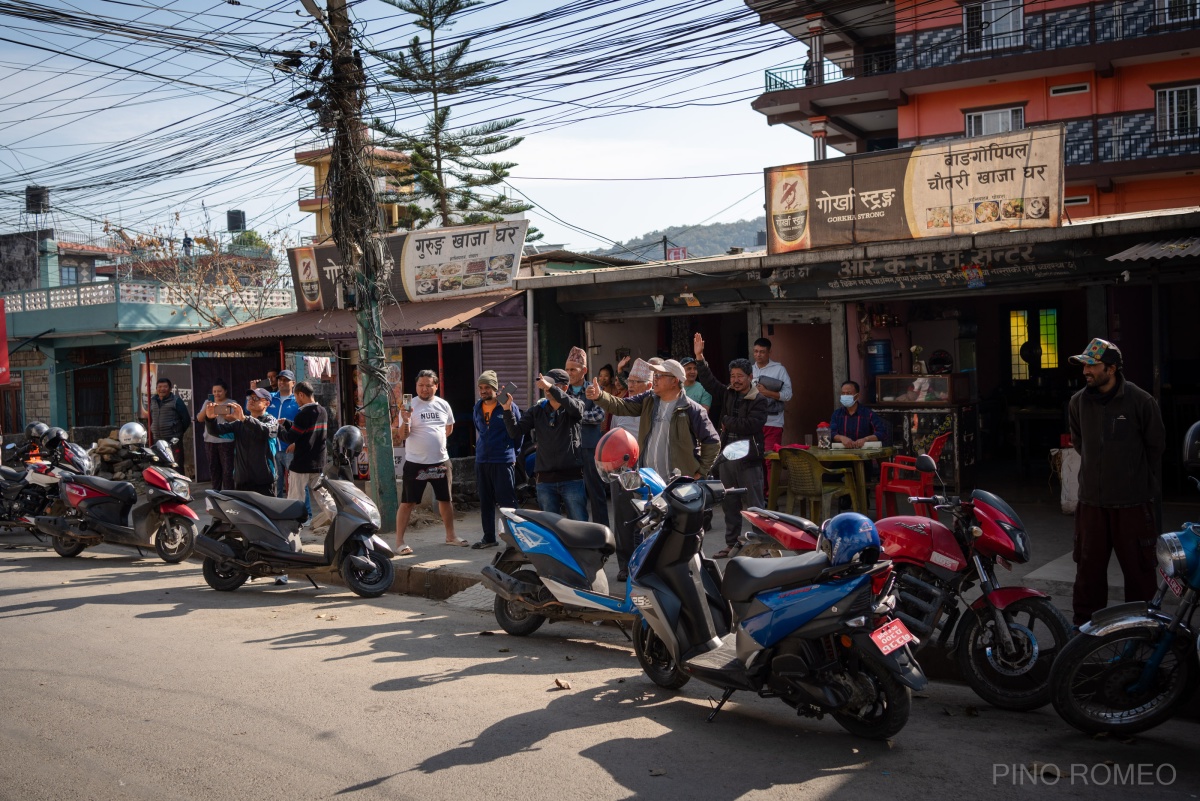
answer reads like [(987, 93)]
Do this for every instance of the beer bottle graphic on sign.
[(788, 201), (310, 282)]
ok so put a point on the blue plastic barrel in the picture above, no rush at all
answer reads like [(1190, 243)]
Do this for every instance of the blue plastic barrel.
[(879, 356)]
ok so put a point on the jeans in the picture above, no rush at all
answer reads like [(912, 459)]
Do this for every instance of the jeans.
[(597, 490), (496, 486), (220, 463), (567, 498), (283, 461)]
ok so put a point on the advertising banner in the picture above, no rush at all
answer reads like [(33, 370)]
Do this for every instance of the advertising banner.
[(5, 374), (968, 186), (464, 260)]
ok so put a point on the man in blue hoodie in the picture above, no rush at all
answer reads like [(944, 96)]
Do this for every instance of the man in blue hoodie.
[(495, 456)]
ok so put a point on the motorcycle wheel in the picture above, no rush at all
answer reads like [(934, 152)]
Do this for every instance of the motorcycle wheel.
[(513, 616), (175, 539), (223, 580), (655, 659), (369, 583), (1020, 682), (1092, 677), (888, 712), (67, 548)]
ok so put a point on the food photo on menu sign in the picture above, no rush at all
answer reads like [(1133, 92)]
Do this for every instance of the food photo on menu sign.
[(462, 260)]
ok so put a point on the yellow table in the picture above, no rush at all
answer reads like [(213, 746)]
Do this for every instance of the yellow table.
[(834, 457)]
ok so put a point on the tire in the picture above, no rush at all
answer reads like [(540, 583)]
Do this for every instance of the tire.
[(369, 583), (176, 539), (67, 548), (223, 580), (515, 617), (655, 659), (1092, 674), (1021, 683), (891, 707)]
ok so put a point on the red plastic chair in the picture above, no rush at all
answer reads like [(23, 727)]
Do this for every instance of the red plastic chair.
[(912, 483)]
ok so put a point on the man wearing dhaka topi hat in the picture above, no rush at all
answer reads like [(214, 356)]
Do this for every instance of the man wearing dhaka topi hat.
[(1118, 431)]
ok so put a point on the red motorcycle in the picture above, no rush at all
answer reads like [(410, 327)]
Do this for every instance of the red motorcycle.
[(1006, 639), (774, 533)]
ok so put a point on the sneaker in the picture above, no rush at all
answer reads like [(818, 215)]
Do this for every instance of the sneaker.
[(623, 575), (479, 546), (281, 579)]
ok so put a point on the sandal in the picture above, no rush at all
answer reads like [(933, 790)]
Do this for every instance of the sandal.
[(405, 551), (457, 543), (721, 554)]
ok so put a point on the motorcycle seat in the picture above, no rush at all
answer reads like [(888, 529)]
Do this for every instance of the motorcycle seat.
[(573, 533), (802, 523), (273, 508), (9, 474), (121, 490), (746, 576)]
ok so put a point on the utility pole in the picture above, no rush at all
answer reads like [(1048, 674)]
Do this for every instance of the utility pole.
[(355, 224)]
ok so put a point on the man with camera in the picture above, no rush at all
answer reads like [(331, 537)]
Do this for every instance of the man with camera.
[(254, 440)]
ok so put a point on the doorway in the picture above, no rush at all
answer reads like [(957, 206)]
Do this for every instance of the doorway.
[(91, 397), (806, 351), (457, 385)]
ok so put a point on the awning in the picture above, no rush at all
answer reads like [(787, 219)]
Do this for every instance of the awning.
[(310, 329), (1160, 249)]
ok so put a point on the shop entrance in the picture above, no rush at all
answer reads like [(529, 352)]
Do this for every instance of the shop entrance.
[(805, 350)]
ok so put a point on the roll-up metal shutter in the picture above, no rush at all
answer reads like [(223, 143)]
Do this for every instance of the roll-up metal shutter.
[(503, 350)]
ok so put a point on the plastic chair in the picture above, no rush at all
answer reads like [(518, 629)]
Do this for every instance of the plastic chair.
[(891, 482), (806, 483)]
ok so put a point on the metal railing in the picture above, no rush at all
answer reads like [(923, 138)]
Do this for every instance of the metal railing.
[(1077, 26), (312, 193), (1100, 148), (141, 292)]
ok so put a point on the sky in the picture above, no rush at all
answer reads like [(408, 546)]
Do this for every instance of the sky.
[(68, 122)]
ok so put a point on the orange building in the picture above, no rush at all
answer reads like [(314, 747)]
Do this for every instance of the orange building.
[(1123, 77), (390, 197)]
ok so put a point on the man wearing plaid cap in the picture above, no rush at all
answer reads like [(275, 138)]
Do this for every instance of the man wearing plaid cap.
[(1118, 431)]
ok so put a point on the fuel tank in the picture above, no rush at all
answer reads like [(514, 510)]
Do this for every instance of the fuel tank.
[(920, 540)]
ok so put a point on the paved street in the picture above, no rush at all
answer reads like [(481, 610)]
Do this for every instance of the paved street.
[(128, 678)]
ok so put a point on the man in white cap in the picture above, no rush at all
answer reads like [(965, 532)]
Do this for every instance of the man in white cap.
[(592, 428), (1118, 431)]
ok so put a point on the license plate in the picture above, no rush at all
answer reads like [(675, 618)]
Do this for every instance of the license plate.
[(892, 635), (1172, 583)]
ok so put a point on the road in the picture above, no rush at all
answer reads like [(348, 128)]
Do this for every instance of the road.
[(123, 677)]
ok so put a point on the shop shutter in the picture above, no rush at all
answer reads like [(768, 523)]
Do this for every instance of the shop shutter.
[(503, 350)]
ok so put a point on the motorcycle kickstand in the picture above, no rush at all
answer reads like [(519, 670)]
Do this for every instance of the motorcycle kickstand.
[(728, 692), (624, 631), (139, 550), (310, 581)]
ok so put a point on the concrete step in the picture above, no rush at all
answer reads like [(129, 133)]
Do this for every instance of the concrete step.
[(1057, 578)]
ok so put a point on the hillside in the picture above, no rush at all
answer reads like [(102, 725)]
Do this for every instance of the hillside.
[(704, 240)]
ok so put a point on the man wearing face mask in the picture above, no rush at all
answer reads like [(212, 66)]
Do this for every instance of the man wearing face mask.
[(853, 424)]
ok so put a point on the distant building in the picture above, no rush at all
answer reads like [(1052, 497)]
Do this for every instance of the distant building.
[(314, 198)]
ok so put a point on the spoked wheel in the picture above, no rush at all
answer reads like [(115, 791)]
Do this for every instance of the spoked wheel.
[(369, 583), (881, 704), (176, 539), (655, 659), (223, 579), (515, 617), (1098, 684), (1019, 680), (67, 548)]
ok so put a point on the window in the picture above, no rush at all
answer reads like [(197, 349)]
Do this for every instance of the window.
[(1077, 200), (994, 25), (68, 275), (1179, 10), (1069, 89), (1002, 120), (1033, 341), (1177, 112)]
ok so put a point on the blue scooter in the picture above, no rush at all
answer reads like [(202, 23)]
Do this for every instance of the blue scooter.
[(552, 568)]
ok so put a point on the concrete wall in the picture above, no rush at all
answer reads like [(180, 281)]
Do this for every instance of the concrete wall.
[(19, 260)]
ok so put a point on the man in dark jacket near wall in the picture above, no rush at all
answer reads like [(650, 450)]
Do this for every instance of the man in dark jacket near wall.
[(1118, 431), (307, 432), (741, 414), (254, 442), (495, 455), (555, 422)]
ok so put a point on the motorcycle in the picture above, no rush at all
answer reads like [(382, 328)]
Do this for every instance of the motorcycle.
[(812, 630), (772, 533), (253, 536), (552, 568), (33, 489), (1134, 665), (100, 510)]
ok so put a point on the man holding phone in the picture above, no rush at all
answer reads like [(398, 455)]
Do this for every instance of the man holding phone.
[(495, 454), (219, 448), (425, 426)]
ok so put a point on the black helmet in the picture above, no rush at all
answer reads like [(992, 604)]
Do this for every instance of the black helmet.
[(348, 441), (35, 431), (53, 438)]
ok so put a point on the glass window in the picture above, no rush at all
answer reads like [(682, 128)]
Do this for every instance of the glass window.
[(1032, 340), (993, 25), (1179, 10), (1018, 333), (1177, 112), (1002, 120)]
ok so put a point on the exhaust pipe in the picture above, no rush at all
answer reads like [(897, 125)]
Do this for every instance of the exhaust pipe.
[(508, 587), (57, 527), (207, 546)]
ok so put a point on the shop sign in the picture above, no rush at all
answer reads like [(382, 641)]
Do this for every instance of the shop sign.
[(968, 186)]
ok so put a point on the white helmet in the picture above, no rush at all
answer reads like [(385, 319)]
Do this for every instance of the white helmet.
[(132, 434)]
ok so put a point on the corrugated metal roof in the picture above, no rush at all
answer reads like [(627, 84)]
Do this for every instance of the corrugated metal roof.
[(307, 327), (1160, 249)]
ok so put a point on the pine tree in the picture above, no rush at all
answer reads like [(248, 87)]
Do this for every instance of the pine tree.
[(448, 170)]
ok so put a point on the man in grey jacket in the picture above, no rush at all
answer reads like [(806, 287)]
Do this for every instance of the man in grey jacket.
[(1118, 431)]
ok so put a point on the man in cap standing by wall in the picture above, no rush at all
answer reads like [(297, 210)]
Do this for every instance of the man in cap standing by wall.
[(592, 428), (495, 455), (1118, 430)]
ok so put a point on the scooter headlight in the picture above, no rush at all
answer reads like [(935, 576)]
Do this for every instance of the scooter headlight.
[(180, 487), (1172, 558), (369, 510)]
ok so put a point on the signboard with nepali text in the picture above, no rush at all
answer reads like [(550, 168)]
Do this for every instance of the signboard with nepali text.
[(968, 186), (5, 374)]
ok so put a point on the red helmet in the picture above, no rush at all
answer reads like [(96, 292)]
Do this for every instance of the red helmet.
[(616, 450)]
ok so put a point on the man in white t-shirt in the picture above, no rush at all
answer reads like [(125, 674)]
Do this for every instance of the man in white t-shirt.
[(423, 430)]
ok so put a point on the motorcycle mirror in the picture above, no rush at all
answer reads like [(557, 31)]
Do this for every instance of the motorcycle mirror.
[(925, 464), (631, 480), (736, 450), (9, 446)]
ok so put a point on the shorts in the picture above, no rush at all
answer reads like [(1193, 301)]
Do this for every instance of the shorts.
[(416, 476)]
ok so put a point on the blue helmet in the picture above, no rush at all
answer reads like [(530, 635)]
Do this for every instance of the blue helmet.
[(850, 537)]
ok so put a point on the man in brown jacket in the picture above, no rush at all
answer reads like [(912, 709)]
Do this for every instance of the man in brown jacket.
[(1118, 431)]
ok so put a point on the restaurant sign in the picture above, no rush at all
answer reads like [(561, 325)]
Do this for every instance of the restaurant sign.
[(968, 186)]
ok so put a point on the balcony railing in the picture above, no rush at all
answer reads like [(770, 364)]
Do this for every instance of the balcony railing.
[(140, 292), (1099, 147), (312, 193), (1074, 26)]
